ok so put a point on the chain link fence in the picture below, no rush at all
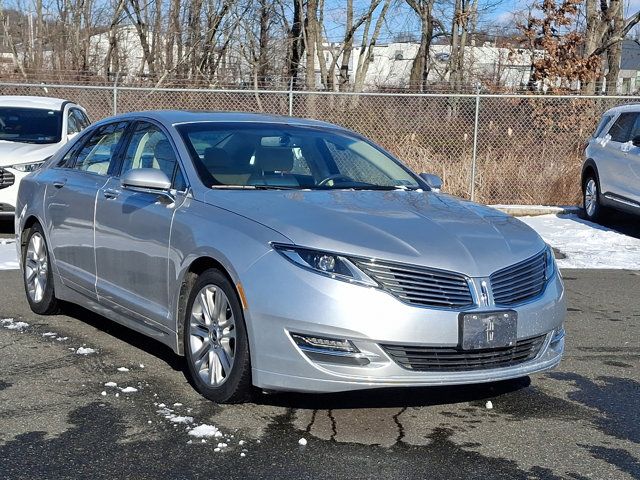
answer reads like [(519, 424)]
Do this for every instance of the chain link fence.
[(509, 149)]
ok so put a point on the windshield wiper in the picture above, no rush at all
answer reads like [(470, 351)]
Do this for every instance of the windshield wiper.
[(376, 187), (254, 187)]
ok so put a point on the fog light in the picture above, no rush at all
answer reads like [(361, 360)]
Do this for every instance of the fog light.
[(330, 350), (324, 343)]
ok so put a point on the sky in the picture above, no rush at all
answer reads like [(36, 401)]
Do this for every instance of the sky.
[(494, 13)]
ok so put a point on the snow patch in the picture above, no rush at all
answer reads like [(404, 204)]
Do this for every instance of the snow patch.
[(111, 384), (180, 419), (8, 255), (489, 405), (586, 244), (11, 324), (128, 390), (123, 369), (204, 431), (85, 351), (49, 334), (302, 441)]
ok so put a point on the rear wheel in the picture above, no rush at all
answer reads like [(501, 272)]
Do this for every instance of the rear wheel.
[(215, 340), (38, 277), (591, 199)]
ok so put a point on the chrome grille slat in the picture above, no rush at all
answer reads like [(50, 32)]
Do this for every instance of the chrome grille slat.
[(520, 282), (6, 178), (525, 274), (420, 286), (395, 273), (434, 359), (523, 285)]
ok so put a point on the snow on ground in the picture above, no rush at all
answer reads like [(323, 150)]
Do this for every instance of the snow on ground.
[(85, 351), (586, 244), (8, 255), (11, 324), (205, 430)]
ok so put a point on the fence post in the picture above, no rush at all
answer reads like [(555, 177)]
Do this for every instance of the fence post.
[(115, 95), (291, 97), (475, 145)]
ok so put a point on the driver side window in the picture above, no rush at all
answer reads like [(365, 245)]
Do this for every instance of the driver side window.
[(149, 147)]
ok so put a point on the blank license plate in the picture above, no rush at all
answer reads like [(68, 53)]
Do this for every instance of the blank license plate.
[(488, 330)]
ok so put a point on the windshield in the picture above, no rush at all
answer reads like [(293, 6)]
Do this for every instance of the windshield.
[(30, 125), (284, 156)]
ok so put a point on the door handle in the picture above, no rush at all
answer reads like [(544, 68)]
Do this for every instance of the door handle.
[(59, 183), (110, 193)]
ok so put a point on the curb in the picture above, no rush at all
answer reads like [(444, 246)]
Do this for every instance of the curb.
[(534, 210)]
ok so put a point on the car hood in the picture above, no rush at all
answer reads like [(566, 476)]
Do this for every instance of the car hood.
[(16, 152), (420, 228)]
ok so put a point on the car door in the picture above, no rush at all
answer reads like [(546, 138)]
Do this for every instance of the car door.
[(70, 198), (613, 167), (629, 186), (133, 230)]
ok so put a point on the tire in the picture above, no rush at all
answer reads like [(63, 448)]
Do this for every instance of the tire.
[(593, 210), (217, 340), (37, 273)]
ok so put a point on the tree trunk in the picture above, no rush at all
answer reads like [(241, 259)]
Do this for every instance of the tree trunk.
[(296, 44)]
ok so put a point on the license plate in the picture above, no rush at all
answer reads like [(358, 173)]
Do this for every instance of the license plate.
[(488, 330)]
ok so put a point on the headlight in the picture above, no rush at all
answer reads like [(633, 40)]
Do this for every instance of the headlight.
[(28, 167), (550, 263), (325, 263)]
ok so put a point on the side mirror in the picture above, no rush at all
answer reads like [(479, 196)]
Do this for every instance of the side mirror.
[(433, 181), (149, 179), (636, 141)]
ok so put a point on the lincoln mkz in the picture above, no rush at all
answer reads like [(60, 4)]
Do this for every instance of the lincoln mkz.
[(285, 254)]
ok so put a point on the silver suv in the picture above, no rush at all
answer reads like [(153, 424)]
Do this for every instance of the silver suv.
[(611, 171)]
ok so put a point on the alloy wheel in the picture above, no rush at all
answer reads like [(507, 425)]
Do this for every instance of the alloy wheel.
[(36, 267), (591, 197), (212, 335)]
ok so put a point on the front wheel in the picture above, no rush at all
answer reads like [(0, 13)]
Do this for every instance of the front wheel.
[(38, 277), (215, 340)]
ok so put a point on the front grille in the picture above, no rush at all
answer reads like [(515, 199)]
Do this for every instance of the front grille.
[(454, 359), (519, 282), (418, 285), (6, 178)]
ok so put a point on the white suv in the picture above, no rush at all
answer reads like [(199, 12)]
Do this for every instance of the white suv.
[(31, 130), (611, 171)]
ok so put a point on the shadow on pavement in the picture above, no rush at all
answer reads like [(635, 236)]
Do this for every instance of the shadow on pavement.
[(127, 335), (620, 222)]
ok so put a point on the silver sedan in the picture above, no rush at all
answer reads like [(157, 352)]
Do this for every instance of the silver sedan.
[(286, 254)]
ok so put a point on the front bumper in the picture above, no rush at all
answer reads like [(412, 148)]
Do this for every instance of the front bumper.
[(284, 298), (9, 194)]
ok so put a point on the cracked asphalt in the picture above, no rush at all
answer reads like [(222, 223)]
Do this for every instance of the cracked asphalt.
[(580, 421)]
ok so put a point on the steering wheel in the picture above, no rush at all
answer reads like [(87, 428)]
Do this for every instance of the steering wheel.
[(337, 176)]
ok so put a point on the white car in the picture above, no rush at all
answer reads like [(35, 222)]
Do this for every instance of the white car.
[(611, 170), (31, 130)]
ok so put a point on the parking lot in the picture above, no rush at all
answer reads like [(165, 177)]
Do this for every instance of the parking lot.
[(59, 420)]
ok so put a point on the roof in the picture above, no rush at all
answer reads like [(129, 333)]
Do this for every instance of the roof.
[(627, 107), (23, 101), (174, 117)]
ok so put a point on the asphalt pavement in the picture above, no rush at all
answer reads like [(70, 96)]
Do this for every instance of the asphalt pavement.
[(579, 421)]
